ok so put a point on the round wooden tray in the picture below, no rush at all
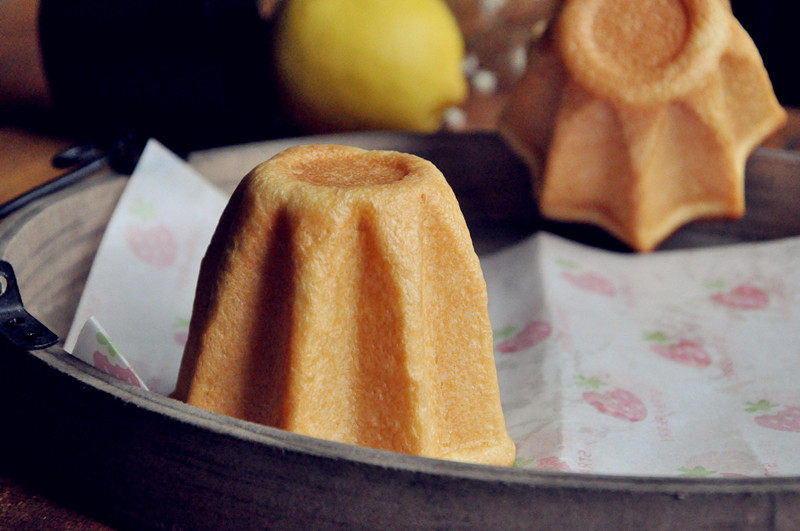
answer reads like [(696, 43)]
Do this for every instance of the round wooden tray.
[(135, 458)]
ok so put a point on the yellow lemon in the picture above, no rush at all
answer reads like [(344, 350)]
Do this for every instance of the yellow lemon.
[(369, 64)]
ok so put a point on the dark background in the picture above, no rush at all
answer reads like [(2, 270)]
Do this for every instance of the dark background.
[(775, 28)]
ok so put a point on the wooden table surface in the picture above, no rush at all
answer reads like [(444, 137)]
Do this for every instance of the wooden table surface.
[(25, 163), (25, 160)]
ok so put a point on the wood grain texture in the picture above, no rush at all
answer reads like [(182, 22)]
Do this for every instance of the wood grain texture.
[(136, 459)]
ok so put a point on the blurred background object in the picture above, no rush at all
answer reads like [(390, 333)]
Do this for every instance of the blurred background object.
[(199, 73), (497, 34), (192, 73), (379, 64)]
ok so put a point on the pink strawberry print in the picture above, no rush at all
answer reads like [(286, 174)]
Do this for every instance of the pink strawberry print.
[(181, 338), (155, 245), (683, 351), (102, 363), (591, 282), (534, 333), (743, 297), (618, 403), (788, 419), (553, 463), (182, 335)]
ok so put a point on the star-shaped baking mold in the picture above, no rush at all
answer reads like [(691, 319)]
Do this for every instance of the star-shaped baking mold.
[(638, 115)]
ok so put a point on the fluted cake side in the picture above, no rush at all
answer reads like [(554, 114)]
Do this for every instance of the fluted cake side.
[(341, 298), (638, 115)]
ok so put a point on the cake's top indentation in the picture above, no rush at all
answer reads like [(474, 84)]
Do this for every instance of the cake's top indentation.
[(348, 167), (626, 38), (642, 52)]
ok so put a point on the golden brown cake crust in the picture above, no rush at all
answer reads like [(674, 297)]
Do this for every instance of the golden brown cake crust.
[(638, 115), (341, 298)]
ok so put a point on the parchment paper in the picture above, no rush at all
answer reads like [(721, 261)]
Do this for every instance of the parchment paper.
[(675, 363)]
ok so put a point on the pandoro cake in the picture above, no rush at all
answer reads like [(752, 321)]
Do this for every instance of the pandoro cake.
[(638, 115), (341, 298)]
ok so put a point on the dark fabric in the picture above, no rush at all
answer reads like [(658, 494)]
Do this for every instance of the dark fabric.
[(192, 73), (773, 26)]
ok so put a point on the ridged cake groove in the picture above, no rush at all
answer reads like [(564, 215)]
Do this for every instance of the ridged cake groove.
[(369, 324)]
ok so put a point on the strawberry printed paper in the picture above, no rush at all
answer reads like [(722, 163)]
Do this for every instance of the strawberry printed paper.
[(673, 363), (141, 285), (95, 347)]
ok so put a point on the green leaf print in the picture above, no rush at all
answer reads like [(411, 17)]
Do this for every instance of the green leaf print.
[(504, 333), (714, 284), (142, 209), (565, 263), (761, 405), (658, 337), (696, 472), (521, 462), (592, 383), (180, 322), (104, 340)]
